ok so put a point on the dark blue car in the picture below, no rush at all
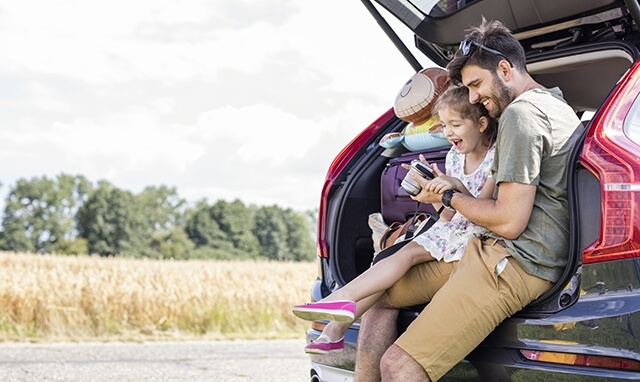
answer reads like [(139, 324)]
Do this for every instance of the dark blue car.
[(587, 327)]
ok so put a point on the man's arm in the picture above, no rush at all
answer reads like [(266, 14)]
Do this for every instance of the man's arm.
[(507, 216)]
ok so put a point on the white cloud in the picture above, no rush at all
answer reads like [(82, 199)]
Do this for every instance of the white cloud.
[(258, 133), (224, 100)]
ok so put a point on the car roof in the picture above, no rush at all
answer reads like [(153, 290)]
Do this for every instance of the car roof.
[(582, 46)]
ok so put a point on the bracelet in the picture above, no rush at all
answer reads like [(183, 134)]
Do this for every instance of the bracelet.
[(446, 198)]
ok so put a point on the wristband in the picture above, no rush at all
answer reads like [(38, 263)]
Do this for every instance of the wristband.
[(446, 199)]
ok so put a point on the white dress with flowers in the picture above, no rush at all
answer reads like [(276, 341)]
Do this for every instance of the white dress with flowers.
[(447, 240)]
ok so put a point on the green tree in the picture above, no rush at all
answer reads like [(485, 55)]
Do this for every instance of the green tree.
[(162, 208), (172, 245), (284, 234), (236, 221), (225, 227), (300, 239), (202, 228), (271, 231), (39, 214), (69, 215), (110, 222), (162, 214)]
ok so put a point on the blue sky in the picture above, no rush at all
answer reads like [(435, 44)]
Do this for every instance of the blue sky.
[(246, 100)]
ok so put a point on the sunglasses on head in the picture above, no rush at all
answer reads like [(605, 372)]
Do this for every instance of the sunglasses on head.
[(465, 48)]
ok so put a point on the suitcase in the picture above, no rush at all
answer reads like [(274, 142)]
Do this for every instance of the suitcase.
[(397, 205)]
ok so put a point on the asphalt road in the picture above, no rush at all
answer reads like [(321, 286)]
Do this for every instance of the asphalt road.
[(219, 361)]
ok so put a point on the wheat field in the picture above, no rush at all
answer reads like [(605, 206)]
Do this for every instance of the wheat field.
[(78, 298)]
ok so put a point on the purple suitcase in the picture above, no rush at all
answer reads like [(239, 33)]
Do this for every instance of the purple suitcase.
[(397, 205)]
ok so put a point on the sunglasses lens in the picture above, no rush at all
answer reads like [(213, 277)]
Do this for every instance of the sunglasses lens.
[(465, 46)]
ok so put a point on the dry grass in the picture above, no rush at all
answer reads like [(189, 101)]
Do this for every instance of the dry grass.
[(49, 298)]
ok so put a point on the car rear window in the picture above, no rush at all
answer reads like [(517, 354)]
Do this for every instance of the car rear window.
[(440, 8)]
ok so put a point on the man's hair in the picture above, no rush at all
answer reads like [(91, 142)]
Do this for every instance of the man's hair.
[(495, 36), (456, 98)]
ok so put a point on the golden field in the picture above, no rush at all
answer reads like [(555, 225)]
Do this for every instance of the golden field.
[(76, 298)]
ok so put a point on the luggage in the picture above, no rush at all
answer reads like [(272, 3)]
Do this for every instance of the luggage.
[(397, 205)]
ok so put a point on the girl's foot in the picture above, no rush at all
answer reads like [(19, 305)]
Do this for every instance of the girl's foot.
[(315, 347), (339, 311)]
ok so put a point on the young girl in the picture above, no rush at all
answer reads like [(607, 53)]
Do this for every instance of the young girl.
[(468, 164)]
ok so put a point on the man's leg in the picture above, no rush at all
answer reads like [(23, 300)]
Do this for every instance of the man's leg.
[(377, 333), (463, 312), (378, 328), (411, 370)]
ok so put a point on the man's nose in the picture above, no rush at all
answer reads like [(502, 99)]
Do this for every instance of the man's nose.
[(473, 97)]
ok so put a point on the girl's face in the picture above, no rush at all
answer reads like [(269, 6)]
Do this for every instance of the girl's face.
[(463, 133)]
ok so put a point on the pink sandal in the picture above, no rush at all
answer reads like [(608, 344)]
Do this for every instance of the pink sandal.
[(315, 347), (339, 311)]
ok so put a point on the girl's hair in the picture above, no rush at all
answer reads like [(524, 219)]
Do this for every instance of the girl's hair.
[(457, 98)]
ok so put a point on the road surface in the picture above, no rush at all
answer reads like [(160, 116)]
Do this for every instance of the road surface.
[(217, 361)]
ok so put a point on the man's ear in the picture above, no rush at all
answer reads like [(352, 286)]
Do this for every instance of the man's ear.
[(505, 71)]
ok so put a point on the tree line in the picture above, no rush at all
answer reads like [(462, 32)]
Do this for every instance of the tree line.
[(71, 215)]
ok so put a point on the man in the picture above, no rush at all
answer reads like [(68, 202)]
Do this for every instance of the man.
[(529, 215)]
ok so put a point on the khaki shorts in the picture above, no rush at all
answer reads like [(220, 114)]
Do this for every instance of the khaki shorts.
[(464, 311)]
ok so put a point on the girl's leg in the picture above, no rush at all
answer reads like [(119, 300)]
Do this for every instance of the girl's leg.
[(334, 331), (342, 305), (382, 275), (417, 286)]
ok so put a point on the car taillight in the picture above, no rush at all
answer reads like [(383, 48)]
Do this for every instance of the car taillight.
[(611, 152), (585, 360), (336, 168)]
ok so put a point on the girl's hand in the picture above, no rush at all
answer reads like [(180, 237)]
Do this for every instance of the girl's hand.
[(442, 183), (433, 166), (425, 195)]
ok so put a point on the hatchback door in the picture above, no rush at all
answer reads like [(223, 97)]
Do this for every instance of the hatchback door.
[(545, 28)]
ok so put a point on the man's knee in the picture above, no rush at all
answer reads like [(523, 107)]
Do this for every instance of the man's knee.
[(398, 365), (380, 316), (381, 307), (392, 357)]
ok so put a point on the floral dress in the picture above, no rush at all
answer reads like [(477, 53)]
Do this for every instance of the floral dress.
[(447, 240)]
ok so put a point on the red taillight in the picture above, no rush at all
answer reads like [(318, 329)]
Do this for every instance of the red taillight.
[(612, 156), (582, 360), (336, 167)]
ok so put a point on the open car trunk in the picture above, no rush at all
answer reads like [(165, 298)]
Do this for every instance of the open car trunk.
[(580, 52), (586, 326)]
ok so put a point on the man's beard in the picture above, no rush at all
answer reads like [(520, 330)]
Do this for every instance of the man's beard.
[(503, 98)]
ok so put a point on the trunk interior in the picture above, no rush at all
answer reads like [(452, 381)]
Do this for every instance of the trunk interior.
[(590, 69)]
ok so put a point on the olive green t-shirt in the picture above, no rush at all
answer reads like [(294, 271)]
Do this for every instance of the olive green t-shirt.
[(535, 140)]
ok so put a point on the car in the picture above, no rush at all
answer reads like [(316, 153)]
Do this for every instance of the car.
[(587, 327)]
